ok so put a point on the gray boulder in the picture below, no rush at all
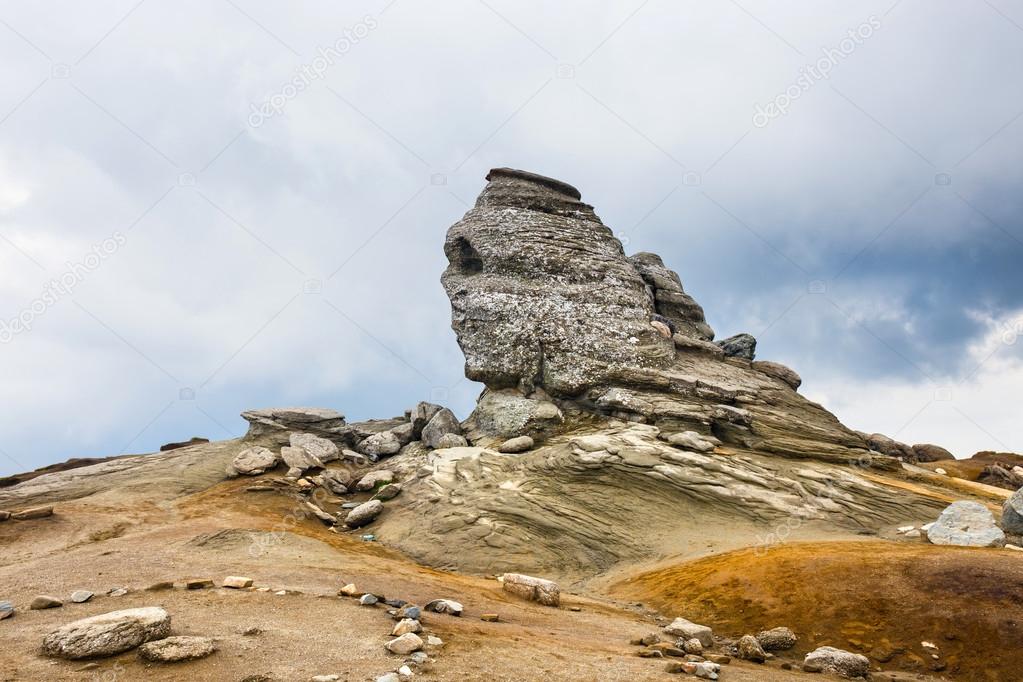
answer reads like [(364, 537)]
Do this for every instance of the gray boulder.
[(966, 524), (6, 610), (1012, 514), (374, 478), (685, 629), (277, 421), (175, 649), (388, 492), (45, 602), (508, 414), (107, 634), (546, 592), (253, 462), (442, 423), (451, 440), (380, 444), (364, 514), (336, 481), (739, 346), (320, 448), (299, 458), (827, 659), (420, 416)]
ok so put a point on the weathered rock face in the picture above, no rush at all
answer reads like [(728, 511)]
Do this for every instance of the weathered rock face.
[(967, 524), (669, 298), (542, 294)]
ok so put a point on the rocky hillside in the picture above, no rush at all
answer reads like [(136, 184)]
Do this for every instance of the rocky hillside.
[(617, 453)]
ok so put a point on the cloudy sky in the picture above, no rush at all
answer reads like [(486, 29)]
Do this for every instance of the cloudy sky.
[(214, 205)]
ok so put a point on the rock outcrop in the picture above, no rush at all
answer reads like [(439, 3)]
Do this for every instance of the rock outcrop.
[(107, 634), (967, 524), (1012, 514)]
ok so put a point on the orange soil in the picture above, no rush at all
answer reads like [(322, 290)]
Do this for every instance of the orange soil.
[(877, 598)]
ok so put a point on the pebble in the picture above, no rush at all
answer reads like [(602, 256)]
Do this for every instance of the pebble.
[(406, 626), (4, 515), (6, 609), (490, 617), (389, 677), (237, 582), (349, 590), (368, 600), (198, 583), (434, 641), (117, 592), (445, 606), (81, 596), (45, 602), (325, 678), (175, 649), (34, 513)]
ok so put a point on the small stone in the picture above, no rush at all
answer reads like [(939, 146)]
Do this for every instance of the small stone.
[(447, 606), (650, 653), (419, 658), (720, 659), (237, 582), (941, 472), (693, 646), (648, 640), (433, 641), (117, 592), (325, 678), (4, 515), (677, 667), (375, 478), (410, 611), (389, 677), (368, 600), (253, 462), (34, 513), (6, 610), (451, 440), (750, 650), (380, 445), (81, 596), (514, 446), (281, 593), (490, 618), (406, 626), (198, 583), (388, 492), (174, 649), (364, 514), (45, 602), (348, 590), (405, 645), (707, 670)]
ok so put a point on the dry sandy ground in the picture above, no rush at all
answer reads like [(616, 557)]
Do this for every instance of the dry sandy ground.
[(106, 541)]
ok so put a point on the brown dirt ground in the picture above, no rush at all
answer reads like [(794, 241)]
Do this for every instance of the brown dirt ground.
[(878, 598), (129, 539)]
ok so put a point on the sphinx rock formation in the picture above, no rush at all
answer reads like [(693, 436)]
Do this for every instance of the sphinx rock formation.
[(640, 429), (548, 308)]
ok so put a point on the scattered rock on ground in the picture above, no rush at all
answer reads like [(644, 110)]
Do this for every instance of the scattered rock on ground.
[(6, 609), (777, 639), (174, 649), (107, 634), (298, 460), (405, 626), (364, 514), (749, 649), (388, 492), (442, 423), (967, 524), (380, 445), (374, 478), (681, 627), (237, 582), (368, 600), (34, 513), (420, 416), (692, 646), (514, 446), (542, 591), (447, 606), (319, 448), (253, 462), (405, 645), (827, 659), (81, 596), (451, 440), (198, 583), (45, 602)]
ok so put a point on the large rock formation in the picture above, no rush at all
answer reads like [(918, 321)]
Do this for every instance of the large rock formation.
[(549, 311)]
